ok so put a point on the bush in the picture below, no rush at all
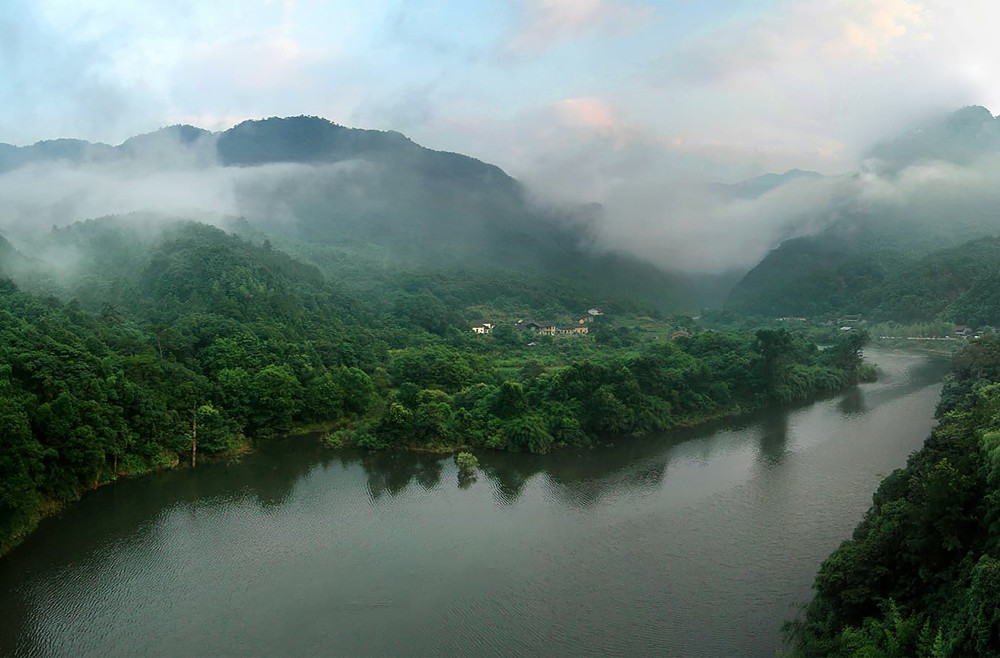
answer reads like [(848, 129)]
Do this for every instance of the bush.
[(467, 462)]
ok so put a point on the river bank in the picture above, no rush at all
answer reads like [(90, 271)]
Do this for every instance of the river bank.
[(696, 541), (336, 437)]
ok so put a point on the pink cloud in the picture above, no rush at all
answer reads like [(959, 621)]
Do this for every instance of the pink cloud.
[(541, 24), (585, 113)]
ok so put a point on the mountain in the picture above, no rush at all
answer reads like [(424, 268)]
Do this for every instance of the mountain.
[(12, 260), (367, 207), (959, 137), (928, 190), (813, 277), (759, 185)]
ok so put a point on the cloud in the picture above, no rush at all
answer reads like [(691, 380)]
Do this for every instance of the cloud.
[(878, 25), (640, 125), (543, 24), (264, 64), (693, 228), (412, 108), (815, 36), (587, 113), (49, 81)]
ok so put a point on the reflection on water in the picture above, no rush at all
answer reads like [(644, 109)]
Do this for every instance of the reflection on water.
[(390, 473), (853, 402), (697, 541), (773, 438)]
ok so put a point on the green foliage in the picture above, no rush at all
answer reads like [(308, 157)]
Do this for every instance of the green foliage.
[(214, 433), (432, 367), (192, 325), (920, 576), (833, 274), (244, 337), (466, 461)]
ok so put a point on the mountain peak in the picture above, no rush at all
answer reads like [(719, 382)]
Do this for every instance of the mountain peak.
[(302, 139), (959, 137), (179, 133), (969, 116)]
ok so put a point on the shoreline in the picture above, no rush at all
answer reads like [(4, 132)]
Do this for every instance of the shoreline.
[(321, 430)]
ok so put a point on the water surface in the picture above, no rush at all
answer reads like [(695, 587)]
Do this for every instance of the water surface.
[(700, 542)]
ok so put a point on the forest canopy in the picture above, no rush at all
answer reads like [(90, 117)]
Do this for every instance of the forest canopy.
[(197, 328)]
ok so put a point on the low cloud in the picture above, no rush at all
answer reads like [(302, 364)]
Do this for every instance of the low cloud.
[(658, 199)]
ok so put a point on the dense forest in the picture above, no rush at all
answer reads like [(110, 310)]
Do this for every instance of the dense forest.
[(921, 574), (160, 337), (814, 277)]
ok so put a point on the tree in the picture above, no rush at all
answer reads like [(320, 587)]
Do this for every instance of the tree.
[(277, 398), (358, 390), (214, 434), (467, 465), (847, 353), (467, 462)]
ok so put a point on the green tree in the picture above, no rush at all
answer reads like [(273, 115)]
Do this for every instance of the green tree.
[(277, 399)]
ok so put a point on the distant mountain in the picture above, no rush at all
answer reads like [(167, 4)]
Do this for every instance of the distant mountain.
[(71, 150), (959, 137), (11, 260), (824, 278), (759, 185), (882, 228), (363, 204)]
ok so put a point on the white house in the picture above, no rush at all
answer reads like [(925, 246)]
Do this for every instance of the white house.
[(482, 327)]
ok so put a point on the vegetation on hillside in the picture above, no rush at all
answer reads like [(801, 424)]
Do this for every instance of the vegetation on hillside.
[(192, 332), (921, 574), (815, 277)]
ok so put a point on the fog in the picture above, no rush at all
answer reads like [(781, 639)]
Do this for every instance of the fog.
[(670, 211), (663, 210), (642, 108), (171, 181)]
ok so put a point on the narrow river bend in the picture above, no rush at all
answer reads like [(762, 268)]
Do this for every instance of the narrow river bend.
[(699, 542)]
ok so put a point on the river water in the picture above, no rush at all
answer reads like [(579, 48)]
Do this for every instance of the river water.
[(700, 542)]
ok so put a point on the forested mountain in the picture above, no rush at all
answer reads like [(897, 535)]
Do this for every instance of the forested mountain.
[(956, 284), (365, 206), (959, 138), (919, 195)]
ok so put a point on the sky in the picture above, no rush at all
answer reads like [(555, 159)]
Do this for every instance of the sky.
[(628, 103), (735, 88)]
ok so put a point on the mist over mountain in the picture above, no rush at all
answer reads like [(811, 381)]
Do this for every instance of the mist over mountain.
[(753, 188), (352, 200), (358, 203), (959, 138), (931, 188)]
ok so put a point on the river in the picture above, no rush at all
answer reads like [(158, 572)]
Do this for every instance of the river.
[(697, 542)]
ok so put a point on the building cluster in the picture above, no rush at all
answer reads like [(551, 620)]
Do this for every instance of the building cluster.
[(962, 331), (543, 327)]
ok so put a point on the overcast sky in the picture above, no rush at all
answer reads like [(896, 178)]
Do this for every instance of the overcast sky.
[(584, 87)]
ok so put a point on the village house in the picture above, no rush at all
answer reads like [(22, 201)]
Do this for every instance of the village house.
[(482, 327), (541, 328), (570, 329)]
